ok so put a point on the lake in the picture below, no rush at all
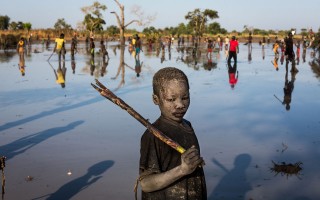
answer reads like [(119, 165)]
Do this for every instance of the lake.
[(71, 143)]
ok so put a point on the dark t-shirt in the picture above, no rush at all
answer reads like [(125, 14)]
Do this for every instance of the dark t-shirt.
[(158, 157)]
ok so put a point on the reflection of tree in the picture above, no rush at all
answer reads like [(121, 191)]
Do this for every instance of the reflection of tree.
[(120, 69), (315, 66), (198, 59)]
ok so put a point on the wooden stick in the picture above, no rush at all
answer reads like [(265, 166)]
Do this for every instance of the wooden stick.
[(105, 92), (3, 182), (50, 56)]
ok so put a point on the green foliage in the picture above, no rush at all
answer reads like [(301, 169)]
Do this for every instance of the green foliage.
[(27, 26), (93, 18), (4, 22), (112, 30), (61, 25), (198, 20), (152, 34)]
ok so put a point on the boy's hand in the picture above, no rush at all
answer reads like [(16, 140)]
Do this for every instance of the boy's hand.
[(190, 160)]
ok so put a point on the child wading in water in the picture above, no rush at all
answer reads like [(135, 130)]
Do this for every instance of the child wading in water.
[(164, 172), (60, 46)]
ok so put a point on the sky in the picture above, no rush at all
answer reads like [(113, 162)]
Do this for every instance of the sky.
[(233, 14)]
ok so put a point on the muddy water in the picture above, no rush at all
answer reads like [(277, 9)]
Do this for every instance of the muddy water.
[(70, 143)]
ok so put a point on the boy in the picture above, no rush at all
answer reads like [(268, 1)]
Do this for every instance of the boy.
[(164, 172), (60, 46)]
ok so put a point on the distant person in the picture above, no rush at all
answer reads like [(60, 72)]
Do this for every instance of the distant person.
[(21, 47), (74, 42), (233, 49), (138, 47), (250, 42), (164, 173), (209, 48), (275, 48), (60, 47), (298, 51), (226, 43), (220, 42), (289, 53)]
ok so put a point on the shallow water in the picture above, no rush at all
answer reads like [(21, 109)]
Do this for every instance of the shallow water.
[(70, 143)]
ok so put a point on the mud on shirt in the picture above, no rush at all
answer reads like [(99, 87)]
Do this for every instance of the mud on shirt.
[(158, 157)]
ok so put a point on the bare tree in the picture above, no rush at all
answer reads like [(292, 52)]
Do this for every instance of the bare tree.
[(141, 21)]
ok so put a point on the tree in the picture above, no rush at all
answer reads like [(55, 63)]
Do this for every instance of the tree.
[(93, 17), (27, 26), (198, 20), (4, 22), (121, 20), (113, 30), (214, 28), (61, 25)]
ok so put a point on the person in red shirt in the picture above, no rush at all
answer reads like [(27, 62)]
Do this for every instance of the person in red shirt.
[(233, 49)]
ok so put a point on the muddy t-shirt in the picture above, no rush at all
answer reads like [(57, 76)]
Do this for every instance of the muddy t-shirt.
[(158, 157)]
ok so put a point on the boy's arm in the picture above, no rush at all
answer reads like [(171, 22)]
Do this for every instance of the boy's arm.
[(190, 160)]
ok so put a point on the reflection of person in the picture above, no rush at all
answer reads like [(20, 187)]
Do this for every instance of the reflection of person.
[(103, 50), (104, 67), (275, 62), (164, 172), (92, 46), (234, 185), (137, 67), (60, 46), (60, 74), (288, 89), (233, 49), (22, 66), (233, 74)]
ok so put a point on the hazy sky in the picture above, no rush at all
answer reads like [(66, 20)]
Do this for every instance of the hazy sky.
[(233, 14)]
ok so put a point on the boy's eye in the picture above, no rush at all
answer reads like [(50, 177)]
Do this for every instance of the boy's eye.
[(170, 100), (185, 98)]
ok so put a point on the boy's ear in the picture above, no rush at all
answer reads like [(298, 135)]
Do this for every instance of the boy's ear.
[(155, 99)]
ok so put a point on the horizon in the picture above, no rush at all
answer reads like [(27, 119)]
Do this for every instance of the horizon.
[(261, 15)]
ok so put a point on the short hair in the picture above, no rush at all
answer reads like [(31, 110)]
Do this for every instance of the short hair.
[(167, 74)]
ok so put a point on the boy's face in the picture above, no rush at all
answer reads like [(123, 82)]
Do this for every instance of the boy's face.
[(174, 100)]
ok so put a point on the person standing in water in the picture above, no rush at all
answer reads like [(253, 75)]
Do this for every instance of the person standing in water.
[(60, 47)]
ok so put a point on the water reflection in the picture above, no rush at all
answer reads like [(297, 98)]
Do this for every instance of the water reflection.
[(234, 184), (233, 74), (288, 89), (60, 73), (275, 62), (315, 66), (121, 69), (94, 173)]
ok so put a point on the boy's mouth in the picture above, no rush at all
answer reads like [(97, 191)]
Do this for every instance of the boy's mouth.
[(178, 114)]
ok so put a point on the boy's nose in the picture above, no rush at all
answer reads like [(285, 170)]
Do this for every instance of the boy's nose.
[(179, 103)]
